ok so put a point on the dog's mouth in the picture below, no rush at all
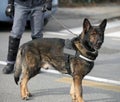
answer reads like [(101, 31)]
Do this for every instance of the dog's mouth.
[(97, 47)]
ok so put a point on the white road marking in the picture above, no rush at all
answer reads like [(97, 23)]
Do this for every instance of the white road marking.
[(3, 62), (102, 80), (97, 79)]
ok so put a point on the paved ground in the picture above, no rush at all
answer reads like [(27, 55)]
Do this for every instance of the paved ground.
[(47, 87)]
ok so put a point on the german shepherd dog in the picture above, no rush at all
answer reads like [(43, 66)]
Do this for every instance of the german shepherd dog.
[(47, 52)]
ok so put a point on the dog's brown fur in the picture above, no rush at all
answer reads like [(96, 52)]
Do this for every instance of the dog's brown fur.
[(46, 52)]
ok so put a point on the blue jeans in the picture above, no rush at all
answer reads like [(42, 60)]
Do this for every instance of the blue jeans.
[(21, 15)]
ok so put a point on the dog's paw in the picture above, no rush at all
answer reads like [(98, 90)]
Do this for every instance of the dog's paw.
[(25, 98), (29, 95), (74, 100)]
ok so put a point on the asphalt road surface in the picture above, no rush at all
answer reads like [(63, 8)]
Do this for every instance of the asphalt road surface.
[(101, 85)]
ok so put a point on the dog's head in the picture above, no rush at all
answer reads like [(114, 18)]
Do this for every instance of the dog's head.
[(93, 36)]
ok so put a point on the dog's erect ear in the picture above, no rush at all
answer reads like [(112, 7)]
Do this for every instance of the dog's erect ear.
[(86, 25), (103, 24)]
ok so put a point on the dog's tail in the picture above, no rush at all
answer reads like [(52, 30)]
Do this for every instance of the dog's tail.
[(18, 65)]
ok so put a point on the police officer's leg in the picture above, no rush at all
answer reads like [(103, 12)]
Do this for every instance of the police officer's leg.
[(19, 23), (37, 20)]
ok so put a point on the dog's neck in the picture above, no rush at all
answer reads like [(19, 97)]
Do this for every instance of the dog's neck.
[(82, 50)]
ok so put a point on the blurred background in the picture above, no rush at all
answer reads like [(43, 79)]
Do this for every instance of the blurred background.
[(78, 3)]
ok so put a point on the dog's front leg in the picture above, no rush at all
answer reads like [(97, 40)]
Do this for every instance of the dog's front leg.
[(72, 91), (77, 83)]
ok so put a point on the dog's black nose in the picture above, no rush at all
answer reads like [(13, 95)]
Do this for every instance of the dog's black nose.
[(99, 42)]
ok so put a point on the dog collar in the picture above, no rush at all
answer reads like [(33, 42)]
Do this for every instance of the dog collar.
[(85, 58)]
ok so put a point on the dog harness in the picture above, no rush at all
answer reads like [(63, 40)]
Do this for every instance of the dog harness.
[(70, 52)]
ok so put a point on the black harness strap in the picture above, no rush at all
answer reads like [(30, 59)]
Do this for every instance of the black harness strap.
[(68, 54)]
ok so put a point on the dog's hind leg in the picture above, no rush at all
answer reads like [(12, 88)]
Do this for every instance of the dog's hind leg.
[(76, 89), (23, 87)]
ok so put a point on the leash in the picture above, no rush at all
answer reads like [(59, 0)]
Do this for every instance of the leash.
[(63, 25)]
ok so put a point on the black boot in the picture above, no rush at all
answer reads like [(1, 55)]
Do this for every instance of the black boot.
[(12, 53)]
